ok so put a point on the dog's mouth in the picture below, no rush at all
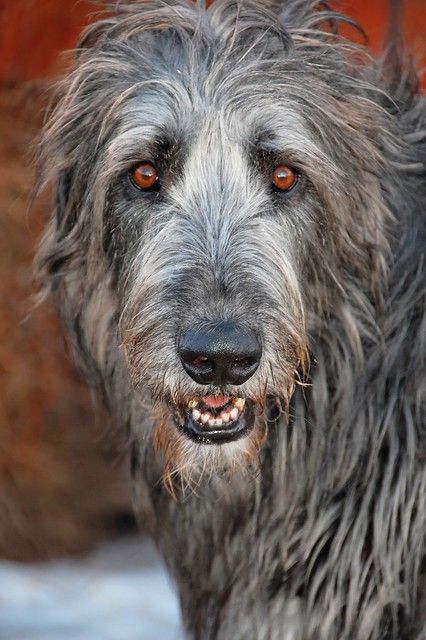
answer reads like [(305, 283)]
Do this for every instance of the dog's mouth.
[(215, 419)]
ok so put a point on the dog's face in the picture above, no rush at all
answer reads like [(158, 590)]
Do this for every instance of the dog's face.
[(216, 186), (205, 229)]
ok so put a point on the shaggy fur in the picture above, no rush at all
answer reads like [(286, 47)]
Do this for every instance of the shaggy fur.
[(311, 527)]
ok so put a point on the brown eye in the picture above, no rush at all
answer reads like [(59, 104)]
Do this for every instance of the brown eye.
[(284, 178), (144, 176)]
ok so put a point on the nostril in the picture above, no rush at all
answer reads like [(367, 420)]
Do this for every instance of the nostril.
[(244, 363), (200, 361), (195, 360), (199, 366)]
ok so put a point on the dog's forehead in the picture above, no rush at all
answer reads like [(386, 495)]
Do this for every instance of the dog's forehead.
[(222, 105), (169, 112)]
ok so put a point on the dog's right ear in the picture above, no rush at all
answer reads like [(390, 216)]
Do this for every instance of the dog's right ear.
[(64, 237), (65, 212), (65, 220)]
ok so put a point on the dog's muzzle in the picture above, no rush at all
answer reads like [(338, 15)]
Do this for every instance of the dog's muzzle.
[(218, 353)]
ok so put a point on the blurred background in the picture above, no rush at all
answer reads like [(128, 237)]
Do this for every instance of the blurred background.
[(63, 485)]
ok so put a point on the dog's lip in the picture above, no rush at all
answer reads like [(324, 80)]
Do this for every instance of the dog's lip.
[(207, 434)]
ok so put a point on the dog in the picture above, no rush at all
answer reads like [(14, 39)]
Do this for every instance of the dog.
[(236, 250)]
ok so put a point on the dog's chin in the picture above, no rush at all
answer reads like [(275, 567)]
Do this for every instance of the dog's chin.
[(209, 435), (215, 419)]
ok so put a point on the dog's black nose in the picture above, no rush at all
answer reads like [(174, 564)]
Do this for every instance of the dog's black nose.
[(221, 353)]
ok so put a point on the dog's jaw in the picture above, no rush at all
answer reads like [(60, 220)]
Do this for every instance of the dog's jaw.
[(190, 455), (215, 419)]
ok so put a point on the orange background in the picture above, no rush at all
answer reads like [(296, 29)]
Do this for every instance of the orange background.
[(35, 32)]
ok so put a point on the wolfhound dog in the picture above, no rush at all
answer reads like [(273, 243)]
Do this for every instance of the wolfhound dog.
[(237, 253)]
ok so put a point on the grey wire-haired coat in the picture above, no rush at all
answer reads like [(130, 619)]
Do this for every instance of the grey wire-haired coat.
[(237, 252)]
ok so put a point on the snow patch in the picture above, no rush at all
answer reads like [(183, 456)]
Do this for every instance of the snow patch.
[(121, 591)]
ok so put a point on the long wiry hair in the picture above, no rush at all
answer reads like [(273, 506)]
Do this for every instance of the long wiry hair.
[(326, 540)]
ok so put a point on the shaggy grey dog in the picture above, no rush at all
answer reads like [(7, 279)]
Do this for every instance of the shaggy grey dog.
[(237, 252)]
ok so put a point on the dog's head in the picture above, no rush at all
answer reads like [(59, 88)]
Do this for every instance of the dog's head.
[(217, 173)]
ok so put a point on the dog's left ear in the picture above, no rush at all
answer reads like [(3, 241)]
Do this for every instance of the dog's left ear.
[(316, 15), (398, 64)]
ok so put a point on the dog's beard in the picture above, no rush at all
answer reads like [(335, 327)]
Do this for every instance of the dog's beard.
[(189, 461), (219, 432), (231, 447), (201, 431)]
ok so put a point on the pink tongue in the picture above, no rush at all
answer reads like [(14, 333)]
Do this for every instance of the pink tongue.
[(215, 401)]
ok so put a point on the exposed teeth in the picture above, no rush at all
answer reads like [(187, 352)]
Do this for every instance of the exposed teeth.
[(227, 415), (239, 403), (234, 413)]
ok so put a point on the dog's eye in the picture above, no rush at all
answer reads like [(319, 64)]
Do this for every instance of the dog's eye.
[(144, 176), (284, 178)]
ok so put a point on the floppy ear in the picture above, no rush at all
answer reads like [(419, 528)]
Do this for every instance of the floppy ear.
[(65, 214), (64, 238), (65, 211), (398, 63), (79, 287)]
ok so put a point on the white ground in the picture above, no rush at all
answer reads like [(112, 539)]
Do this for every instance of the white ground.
[(119, 592)]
